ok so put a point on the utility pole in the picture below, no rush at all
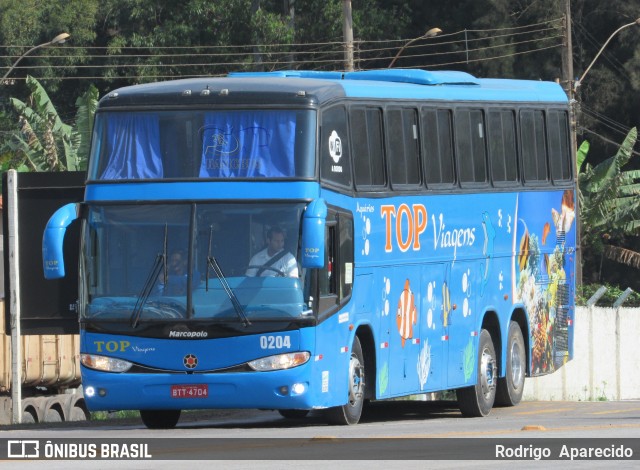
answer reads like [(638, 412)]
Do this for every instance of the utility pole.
[(567, 84), (347, 33), (290, 10)]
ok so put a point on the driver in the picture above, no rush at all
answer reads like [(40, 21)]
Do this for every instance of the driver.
[(273, 260)]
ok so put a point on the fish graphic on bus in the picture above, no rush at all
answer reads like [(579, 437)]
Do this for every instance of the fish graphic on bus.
[(487, 250), (446, 304), (407, 314)]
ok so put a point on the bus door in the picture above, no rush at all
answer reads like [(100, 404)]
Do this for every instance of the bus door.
[(459, 314), (403, 325), (431, 358)]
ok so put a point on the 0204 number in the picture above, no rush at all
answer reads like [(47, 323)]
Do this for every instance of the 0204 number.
[(275, 342)]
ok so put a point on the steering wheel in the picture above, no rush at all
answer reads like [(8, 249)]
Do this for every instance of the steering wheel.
[(266, 268)]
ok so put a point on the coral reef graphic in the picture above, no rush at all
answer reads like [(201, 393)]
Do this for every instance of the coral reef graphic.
[(383, 378), (541, 278), (468, 360), (424, 364)]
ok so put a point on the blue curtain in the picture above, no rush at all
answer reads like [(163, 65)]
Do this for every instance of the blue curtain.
[(248, 144), (133, 146)]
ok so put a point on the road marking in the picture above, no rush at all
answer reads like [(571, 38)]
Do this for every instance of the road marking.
[(537, 412), (512, 431), (614, 411)]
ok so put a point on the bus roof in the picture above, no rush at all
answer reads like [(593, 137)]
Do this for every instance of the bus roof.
[(317, 87)]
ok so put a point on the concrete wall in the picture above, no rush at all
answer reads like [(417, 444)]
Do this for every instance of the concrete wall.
[(606, 361)]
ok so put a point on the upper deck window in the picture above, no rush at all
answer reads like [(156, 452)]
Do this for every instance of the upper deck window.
[(335, 161), (203, 144)]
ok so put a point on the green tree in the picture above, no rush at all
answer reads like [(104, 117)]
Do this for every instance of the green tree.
[(610, 206), (44, 142)]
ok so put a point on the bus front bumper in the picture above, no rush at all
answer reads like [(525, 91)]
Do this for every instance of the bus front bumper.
[(284, 389)]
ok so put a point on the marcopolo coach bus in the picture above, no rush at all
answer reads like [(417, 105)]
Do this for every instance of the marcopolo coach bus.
[(305, 240)]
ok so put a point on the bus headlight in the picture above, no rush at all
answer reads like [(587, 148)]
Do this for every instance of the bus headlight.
[(104, 363), (280, 361)]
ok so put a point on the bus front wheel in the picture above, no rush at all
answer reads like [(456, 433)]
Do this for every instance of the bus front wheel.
[(350, 412), (160, 419), (511, 387), (477, 400)]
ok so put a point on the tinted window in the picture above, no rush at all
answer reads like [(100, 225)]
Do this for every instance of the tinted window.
[(534, 153), (502, 146), (559, 154), (187, 144), (438, 148), (334, 147), (404, 155), (470, 146), (368, 147)]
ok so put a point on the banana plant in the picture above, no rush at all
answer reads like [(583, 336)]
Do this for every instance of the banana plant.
[(44, 142), (610, 203)]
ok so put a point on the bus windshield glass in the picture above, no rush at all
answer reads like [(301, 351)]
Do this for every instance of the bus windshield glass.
[(188, 144), (222, 262)]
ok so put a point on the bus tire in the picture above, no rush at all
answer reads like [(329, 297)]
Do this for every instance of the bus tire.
[(477, 400), (350, 412), (160, 419), (511, 387)]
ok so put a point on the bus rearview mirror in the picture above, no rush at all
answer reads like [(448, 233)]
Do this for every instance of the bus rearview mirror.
[(313, 226), (53, 240)]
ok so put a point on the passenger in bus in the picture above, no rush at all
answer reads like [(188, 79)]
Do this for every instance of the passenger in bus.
[(177, 274), (274, 260)]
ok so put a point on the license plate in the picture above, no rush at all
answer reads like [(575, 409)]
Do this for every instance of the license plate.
[(190, 391)]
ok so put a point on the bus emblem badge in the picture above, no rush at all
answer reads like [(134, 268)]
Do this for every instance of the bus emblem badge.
[(190, 361)]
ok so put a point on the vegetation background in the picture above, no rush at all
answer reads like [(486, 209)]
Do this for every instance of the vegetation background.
[(45, 120)]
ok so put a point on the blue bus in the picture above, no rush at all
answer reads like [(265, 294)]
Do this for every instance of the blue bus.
[(303, 240)]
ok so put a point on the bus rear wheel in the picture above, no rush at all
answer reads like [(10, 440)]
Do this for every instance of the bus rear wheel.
[(511, 387), (160, 419), (477, 400), (350, 412)]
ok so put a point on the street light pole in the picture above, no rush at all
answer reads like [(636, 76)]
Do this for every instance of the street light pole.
[(59, 39), (579, 81), (429, 34)]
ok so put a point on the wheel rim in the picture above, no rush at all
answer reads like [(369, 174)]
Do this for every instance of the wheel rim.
[(487, 373), (516, 365), (356, 384)]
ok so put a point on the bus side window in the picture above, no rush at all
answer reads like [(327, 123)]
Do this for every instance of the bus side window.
[(559, 155), (471, 152), (327, 277), (534, 153), (438, 147), (503, 154), (404, 147)]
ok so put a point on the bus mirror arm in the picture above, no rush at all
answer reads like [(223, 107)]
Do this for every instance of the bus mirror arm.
[(313, 240), (53, 240)]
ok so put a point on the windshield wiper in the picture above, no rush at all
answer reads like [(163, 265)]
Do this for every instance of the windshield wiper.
[(213, 262), (159, 264)]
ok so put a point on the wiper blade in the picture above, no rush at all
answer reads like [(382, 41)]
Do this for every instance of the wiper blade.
[(148, 287), (211, 261)]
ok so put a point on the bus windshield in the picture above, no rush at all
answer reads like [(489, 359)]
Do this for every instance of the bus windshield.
[(187, 144), (193, 261)]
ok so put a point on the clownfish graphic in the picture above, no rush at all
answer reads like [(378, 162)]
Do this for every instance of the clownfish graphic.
[(407, 314)]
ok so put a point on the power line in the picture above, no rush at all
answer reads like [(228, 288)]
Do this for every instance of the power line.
[(617, 144)]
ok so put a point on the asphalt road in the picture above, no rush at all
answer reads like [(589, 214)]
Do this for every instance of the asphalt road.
[(392, 434)]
